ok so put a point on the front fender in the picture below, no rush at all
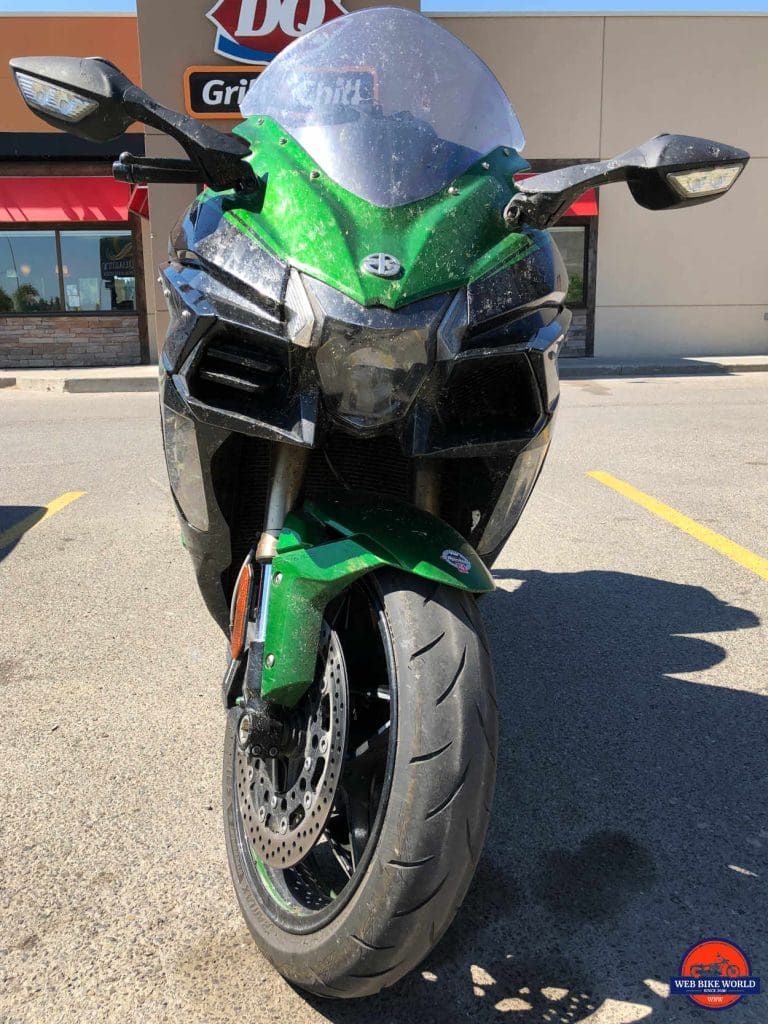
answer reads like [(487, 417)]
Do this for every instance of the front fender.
[(328, 544)]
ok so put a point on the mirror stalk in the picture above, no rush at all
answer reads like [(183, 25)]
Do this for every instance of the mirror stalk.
[(658, 174), (219, 158)]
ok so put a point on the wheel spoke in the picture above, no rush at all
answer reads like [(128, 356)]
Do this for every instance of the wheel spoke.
[(357, 807), (367, 756), (342, 856)]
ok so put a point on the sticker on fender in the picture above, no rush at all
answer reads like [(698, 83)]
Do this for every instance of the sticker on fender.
[(457, 561)]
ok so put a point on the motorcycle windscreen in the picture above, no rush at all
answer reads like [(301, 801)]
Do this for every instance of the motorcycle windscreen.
[(390, 105)]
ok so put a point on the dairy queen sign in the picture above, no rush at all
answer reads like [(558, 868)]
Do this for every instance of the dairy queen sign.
[(251, 33)]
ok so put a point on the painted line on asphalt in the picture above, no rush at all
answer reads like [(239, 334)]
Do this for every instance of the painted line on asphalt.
[(15, 532), (743, 556)]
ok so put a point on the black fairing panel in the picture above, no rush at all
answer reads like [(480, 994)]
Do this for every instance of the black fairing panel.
[(240, 365), (231, 256), (535, 285)]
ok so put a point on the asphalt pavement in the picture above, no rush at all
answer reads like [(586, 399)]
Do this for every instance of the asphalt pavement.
[(630, 818)]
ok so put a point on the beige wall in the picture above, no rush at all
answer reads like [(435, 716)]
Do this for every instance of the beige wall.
[(686, 282)]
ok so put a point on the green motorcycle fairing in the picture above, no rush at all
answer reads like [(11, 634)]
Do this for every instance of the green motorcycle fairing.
[(326, 546), (443, 242)]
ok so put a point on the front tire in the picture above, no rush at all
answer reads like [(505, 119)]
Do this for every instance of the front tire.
[(432, 802)]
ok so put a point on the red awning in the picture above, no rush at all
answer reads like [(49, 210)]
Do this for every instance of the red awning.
[(584, 207), (140, 201), (77, 200)]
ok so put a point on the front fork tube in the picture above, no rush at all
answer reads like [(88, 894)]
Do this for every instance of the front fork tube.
[(287, 470), (426, 485)]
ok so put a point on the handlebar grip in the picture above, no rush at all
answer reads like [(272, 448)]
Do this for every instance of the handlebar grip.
[(155, 170)]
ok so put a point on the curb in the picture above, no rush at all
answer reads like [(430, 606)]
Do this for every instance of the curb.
[(683, 369), (81, 385), (91, 386)]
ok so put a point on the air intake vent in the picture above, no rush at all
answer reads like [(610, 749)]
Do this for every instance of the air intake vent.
[(229, 366), (247, 374)]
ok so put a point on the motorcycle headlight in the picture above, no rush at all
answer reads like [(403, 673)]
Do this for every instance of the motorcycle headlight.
[(370, 377)]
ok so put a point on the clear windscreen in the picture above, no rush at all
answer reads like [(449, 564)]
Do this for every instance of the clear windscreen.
[(389, 105)]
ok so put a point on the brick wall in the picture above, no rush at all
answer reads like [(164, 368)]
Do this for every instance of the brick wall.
[(68, 341)]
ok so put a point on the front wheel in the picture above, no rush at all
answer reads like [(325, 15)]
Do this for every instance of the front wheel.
[(351, 858)]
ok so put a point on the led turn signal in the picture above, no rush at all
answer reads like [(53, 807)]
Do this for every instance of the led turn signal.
[(241, 605)]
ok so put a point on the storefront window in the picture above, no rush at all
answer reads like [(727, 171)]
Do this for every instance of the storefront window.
[(29, 275), (572, 243), (97, 273)]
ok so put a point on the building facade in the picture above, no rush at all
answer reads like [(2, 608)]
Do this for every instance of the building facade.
[(71, 260), (687, 282)]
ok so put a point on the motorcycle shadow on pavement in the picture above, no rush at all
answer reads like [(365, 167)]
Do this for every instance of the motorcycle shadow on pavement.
[(15, 521), (629, 819)]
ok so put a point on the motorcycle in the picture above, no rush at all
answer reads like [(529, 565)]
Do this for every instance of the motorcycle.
[(721, 967), (358, 388)]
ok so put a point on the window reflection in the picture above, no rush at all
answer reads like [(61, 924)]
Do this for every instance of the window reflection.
[(572, 243), (29, 275), (97, 273)]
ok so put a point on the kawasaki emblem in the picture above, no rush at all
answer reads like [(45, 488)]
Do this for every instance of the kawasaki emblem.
[(253, 31), (381, 264)]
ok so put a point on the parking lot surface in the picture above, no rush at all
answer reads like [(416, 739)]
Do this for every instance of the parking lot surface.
[(630, 818)]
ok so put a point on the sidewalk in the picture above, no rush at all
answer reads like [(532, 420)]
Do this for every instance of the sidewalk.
[(94, 380), (109, 379), (587, 369)]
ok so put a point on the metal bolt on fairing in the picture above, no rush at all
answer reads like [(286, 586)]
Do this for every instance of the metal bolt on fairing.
[(453, 191), (278, 579), (283, 141), (485, 165), (270, 660), (314, 175)]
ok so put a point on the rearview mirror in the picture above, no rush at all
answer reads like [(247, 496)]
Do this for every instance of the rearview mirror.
[(83, 97), (92, 98), (665, 172)]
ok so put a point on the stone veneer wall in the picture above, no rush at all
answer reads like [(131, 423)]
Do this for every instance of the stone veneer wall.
[(576, 342), (29, 341)]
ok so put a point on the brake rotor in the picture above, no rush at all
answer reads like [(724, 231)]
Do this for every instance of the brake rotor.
[(284, 802)]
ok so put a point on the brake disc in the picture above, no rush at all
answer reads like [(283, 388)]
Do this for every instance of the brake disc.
[(284, 803)]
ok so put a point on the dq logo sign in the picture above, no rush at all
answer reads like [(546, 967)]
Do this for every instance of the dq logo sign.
[(253, 31)]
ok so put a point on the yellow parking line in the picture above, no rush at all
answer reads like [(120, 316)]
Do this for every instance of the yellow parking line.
[(743, 556), (11, 535)]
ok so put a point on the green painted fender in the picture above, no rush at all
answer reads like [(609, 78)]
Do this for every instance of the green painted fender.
[(328, 544)]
